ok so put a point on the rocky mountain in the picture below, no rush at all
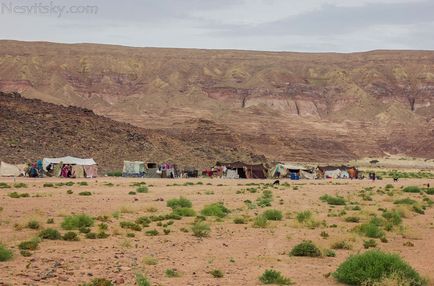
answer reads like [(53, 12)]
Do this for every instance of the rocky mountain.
[(256, 105), (31, 129)]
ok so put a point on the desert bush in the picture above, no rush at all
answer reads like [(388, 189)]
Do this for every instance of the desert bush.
[(152, 232), (114, 173), (130, 225), (273, 214), (51, 234), (324, 234), (239, 220), (394, 217), (369, 243), (20, 185), (71, 236), (354, 219), (306, 248), (91, 235), (4, 185), (373, 266), (429, 191), (84, 229), (216, 209), (371, 230), (29, 244), (33, 224), (217, 273), (16, 195), (48, 185), (329, 253), (406, 201), (179, 203), (102, 235), (201, 229), (77, 221), (260, 221), (142, 280), (172, 272), (142, 189), (418, 209), (86, 193), (50, 220), (132, 193), (303, 216), (274, 277), (25, 253), (331, 200), (411, 189), (342, 244), (69, 192), (82, 183), (98, 282), (184, 212), (5, 253)]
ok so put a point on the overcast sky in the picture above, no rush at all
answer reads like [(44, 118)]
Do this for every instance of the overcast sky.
[(278, 25)]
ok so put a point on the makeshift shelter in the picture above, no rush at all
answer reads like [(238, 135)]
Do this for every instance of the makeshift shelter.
[(337, 172), (82, 168), (9, 170), (152, 171), (243, 171), (291, 170), (133, 169)]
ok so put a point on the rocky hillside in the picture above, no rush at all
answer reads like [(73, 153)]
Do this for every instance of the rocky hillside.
[(31, 129), (284, 106)]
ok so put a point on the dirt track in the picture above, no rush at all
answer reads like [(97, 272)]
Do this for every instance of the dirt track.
[(241, 251)]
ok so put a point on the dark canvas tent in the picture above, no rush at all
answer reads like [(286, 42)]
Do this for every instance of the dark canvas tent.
[(246, 171)]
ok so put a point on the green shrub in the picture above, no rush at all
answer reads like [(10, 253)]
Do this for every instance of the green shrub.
[(394, 217), (179, 203), (5, 254), (217, 273), (172, 272), (369, 243), (371, 230), (273, 214), (152, 232), (91, 235), (406, 201), (142, 189), (29, 244), (201, 229), (84, 229), (411, 189), (77, 221), (132, 193), (4, 186), (102, 235), (303, 216), (216, 209), (82, 183), (239, 220), (342, 244), (306, 248), (274, 277), (429, 191), (50, 233), (354, 219), (130, 225), (114, 174), (329, 253), (69, 192), (331, 200), (71, 236), (48, 185), (33, 224), (25, 253), (260, 221), (141, 280), (185, 212), (50, 221), (99, 282), (16, 195), (374, 265), (20, 185), (85, 193)]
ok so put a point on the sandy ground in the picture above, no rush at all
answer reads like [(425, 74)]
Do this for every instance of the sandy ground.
[(241, 251)]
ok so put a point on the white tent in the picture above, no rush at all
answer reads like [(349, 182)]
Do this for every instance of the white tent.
[(8, 170), (68, 160)]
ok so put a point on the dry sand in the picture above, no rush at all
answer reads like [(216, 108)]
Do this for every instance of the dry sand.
[(239, 250)]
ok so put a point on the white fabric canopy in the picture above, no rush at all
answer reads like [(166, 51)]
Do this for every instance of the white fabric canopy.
[(68, 160), (8, 170)]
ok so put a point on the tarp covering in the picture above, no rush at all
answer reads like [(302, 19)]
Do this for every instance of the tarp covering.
[(91, 171), (133, 169), (68, 160), (285, 168), (8, 170)]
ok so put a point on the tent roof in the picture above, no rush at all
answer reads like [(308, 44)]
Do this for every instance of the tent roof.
[(293, 166), (69, 160), (9, 170)]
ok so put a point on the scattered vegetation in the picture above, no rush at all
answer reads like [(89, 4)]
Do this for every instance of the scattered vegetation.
[(5, 253), (201, 229), (331, 200), (273, 214), (98, 282), (142, 280), (179, 203), (411, 189), (216, 209), (50, 233), (71, 236), (77, 222), (217, 273), (86, 193), (33, 224), (172, 272)]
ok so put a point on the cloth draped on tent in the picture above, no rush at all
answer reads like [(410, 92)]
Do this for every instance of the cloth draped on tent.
[(133, 169), (9, 170), (91, 171)]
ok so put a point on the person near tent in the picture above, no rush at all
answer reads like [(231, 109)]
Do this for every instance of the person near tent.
[(33, 171), (40, 168), (64, 172)]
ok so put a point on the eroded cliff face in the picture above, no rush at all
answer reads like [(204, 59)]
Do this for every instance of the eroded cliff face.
[(281, 105)]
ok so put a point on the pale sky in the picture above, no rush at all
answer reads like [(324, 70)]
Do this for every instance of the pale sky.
[(275, 25)]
